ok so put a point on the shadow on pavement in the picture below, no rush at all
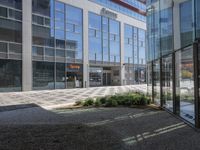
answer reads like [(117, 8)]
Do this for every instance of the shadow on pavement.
[(34, 128)]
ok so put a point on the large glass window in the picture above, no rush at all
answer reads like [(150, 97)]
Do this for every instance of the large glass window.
[(186, 23), (10, 75), (10, 30), (156, 82), (149, 79), (153, 30), (43, 75), (197, 14), (95, 41), (74, 34), (167, 84), (114, 41), (95, 76), (166, 27), (74, 73), (105, 37), (185, 83), (141, 47), (60, 75), (128, 44)]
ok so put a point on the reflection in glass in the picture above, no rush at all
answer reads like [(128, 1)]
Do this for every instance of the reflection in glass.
[(186, 23), (43, 75), (185, 83), (167, 83), (166, 39), (96, 76), (60, 76), (149, 79), (74, 75), (156, 81)]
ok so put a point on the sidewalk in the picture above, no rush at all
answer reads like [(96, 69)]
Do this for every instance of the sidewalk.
[(49, 99)]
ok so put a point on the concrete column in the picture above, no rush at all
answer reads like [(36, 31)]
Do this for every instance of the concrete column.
[(27, 45), (122, 66), (85, 49)]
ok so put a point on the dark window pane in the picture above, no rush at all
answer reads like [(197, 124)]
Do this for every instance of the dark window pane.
[(43, 75), (60, 75), (12, 3), (60, 53), (15, 48), (3, 12), (38, 20), (49, 52), (42, 7), (37, 51), (10, 75), (3, 47), (10, 31), (15, 14), (60, 44)]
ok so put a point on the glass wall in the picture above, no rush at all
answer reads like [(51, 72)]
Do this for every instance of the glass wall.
[(104, 39), (185, 83), (179, 33)]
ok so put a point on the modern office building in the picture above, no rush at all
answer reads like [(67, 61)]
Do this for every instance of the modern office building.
[(173, 56), (57, 44)]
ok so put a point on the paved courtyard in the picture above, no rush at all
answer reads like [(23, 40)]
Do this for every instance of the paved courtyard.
[(57, 98), (95, 129)]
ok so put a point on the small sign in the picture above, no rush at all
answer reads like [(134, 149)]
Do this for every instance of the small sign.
[(109, 14)]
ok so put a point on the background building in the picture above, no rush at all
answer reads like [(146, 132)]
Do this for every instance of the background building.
[(55, 44), (173, 56)]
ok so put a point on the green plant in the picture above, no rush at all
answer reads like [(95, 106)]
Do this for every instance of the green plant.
[(111, 102), (97, 102), (103, 100), (88, 102)]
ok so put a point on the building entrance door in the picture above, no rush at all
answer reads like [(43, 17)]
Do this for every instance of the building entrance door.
[(106, 78)]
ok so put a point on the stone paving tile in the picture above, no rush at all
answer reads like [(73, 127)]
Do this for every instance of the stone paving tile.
[(63, 96)]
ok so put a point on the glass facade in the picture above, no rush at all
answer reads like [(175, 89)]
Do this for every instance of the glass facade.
[(10, 45), (134, 54), (57, 44), (124, 10), (175, 29), (55, 59), (104, 39)]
